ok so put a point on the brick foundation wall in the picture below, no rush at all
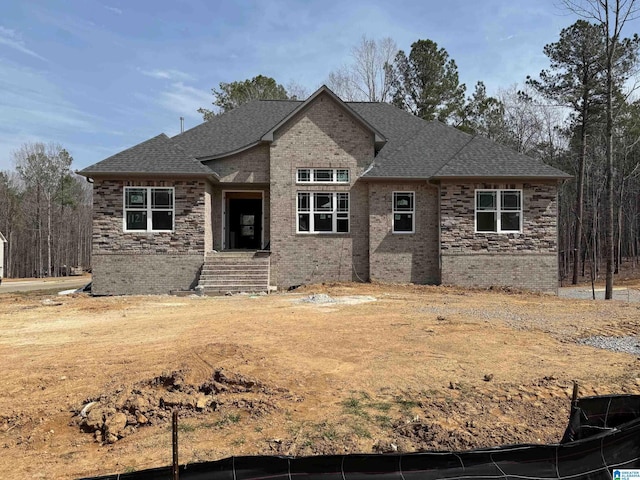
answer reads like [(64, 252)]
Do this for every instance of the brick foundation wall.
[(525, 260), (529, 271), (403, 257), (324, 135), (136, 274)]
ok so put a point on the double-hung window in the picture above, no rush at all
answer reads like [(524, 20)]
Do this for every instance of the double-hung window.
[(498, 211), (323, 212), (322, 175), (149, 209), (404, 212)]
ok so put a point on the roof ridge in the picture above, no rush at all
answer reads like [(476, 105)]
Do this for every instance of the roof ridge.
[(324, 90), (275, 100), (454, 155)]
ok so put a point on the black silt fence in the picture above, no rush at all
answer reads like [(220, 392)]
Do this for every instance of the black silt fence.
[(603, 435)]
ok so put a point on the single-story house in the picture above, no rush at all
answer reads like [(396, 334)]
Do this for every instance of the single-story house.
[(282, 193)]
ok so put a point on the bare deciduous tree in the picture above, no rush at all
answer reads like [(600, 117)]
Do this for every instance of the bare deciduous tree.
[(43, 170), (366, 78)]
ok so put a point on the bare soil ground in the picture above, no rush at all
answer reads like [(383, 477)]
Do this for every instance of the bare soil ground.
[(419, 368)]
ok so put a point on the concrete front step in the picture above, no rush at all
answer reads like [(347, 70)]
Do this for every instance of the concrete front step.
[(236, 278), (222, 289), (242, 263), (234, 266), (225, 291), (233, 281), (234, 272)]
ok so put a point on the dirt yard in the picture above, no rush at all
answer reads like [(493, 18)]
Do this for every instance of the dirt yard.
[(89, 383)]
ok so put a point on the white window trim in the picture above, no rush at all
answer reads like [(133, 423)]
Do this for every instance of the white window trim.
[(394, 211), (312, 175), (334, 212), (498, 209), (148, 209)]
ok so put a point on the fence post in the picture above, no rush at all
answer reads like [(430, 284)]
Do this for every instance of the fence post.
[(174, 442)]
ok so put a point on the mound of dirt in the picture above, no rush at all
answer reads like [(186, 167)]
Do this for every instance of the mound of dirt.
[(114, 416)]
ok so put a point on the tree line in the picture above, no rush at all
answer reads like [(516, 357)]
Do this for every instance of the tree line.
[(45, 214), (579, 115)]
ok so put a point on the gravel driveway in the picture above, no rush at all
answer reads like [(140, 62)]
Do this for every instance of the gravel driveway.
[(627, 343), (585, 292)]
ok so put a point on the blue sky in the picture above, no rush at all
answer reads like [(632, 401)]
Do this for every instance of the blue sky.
[(100, 76)]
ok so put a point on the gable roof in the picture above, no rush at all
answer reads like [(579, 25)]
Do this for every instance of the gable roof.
[(378, 137), (407, 146), (158, 155)]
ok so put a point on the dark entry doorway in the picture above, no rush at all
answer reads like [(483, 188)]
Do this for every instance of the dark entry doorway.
[(244, 221)]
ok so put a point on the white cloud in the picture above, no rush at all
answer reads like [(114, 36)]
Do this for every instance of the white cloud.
[(185, 100), (169, 74), (115, 10), (30, 101), (34, 109), (12, 39)]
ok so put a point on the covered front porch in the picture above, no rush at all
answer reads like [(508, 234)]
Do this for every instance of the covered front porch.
[(237, 257), (238, 217)]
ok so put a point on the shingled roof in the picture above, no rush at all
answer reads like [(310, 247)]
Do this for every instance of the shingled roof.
[(408, 147), (234, 131), (483, 157), (158, 155)]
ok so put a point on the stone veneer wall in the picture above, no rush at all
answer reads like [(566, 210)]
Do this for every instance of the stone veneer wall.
[(143, 263), (403, 257), (323, 135), (527, 260)]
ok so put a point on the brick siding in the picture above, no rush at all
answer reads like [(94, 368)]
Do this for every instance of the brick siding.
[(529, 271), (321, 136), (143, 274), (250, 166), (404, 257)]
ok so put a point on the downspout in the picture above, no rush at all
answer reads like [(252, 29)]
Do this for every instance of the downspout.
[(439, 219)]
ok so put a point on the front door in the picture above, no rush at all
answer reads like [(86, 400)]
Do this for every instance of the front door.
[(245, 223)]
